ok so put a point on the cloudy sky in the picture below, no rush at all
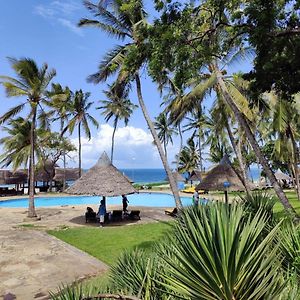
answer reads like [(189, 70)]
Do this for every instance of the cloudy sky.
[(47, 32)]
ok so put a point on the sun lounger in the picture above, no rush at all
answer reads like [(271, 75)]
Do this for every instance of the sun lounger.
[(171, 212), (134, 215), (90, 215), (116, 215)]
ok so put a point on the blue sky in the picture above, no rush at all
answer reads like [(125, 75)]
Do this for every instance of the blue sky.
[(46, 31)]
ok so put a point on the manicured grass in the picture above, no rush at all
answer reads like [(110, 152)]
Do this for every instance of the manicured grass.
[(107, 243)]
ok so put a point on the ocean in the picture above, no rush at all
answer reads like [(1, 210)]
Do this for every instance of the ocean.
[(157, 175)]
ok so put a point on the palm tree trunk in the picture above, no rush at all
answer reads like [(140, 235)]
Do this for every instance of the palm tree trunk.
[(157, 143), (113, 140), (79, 149), (238, 153), (250, 136), (181, 143), (295, 165), (165, 148), (200, 150), (64, 158), (31, 208)]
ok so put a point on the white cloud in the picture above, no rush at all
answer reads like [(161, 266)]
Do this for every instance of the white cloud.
[(133, 148), (70, 25), (61, 12)]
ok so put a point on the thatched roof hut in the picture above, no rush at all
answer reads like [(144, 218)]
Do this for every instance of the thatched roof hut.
[(10, 177), (281, 176), (222, 173), (103, 179), (72, 174), (196, 175)]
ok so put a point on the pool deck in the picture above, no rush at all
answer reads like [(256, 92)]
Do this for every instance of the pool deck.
[(33, 263)]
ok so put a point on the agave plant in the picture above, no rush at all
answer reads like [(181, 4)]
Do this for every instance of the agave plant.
[(217, 253), (138, 273), (289, 240), (259, 201)]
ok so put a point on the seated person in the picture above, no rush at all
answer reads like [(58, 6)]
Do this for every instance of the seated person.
[(90, 215)]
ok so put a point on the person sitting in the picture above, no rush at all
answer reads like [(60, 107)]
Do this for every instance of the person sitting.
[(90, 215), (102, 212), (125, 203)]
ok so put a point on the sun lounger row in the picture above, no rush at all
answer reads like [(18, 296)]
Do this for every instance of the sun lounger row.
[(114, 216)]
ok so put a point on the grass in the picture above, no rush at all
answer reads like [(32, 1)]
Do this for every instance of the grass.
[(107, 243)]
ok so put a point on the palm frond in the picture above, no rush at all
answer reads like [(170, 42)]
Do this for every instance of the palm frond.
[(109, 65), (11, 113)]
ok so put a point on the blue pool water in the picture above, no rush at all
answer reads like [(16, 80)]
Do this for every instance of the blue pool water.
[(142, 199)]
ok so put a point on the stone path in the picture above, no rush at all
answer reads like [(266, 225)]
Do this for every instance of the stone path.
[(32, 262)]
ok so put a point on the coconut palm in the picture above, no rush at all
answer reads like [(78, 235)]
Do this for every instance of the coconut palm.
[(119, 107), (126, 20), (16, 144), (80, 117), (61, 106), (188, 157), (30, 82), (165, 130)]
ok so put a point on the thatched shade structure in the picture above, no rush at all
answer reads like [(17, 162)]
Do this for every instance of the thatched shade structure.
[(221, 178), (71, 174), (177, 176), (196, 175), (103, 179), (281, 176)]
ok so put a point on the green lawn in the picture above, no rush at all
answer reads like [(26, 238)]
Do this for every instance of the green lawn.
[(107, 243)]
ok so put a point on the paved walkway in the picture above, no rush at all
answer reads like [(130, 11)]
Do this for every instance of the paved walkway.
[(32, 262)]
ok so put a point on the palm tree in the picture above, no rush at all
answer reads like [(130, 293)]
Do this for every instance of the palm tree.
[(119, 107), (188, 157), (79, 116), (199, 123), (61, 106), (16, 144), (124, 20), (30, 82), (165, 130)]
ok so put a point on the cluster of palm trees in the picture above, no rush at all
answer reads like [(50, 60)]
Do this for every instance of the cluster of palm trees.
[(30, 138), (232, 126)]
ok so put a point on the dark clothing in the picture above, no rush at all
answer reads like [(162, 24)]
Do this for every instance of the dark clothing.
[(125, 203)]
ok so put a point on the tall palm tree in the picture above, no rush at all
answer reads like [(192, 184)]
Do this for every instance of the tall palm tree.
[(126, 20), (80, 117), (61, 106), (30, 82), (117, 106), (165, 130)]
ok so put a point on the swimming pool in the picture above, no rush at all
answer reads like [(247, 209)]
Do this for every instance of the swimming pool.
[(142, 199)]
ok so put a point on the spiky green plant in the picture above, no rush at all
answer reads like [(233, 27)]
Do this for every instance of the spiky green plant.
[(137, 273), (259, 201), (217, 253), (289, 240)]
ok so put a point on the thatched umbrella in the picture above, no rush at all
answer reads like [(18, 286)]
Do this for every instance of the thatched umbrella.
[(103, 179), (222, 178), (281, 176)]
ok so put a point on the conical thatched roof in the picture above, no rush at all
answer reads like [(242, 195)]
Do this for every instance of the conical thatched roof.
[(103, 179), (177, 176), (196, 175), (214, 181), (281, 176)]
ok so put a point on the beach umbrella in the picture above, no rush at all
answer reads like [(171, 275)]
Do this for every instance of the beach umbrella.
[(222, 178), (196, 175), (103, 179)]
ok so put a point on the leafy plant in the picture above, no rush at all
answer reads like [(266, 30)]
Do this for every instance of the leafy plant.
[(257, 201), (216, 253)]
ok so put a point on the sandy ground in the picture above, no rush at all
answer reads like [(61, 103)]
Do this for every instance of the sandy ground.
[(32, 262)]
